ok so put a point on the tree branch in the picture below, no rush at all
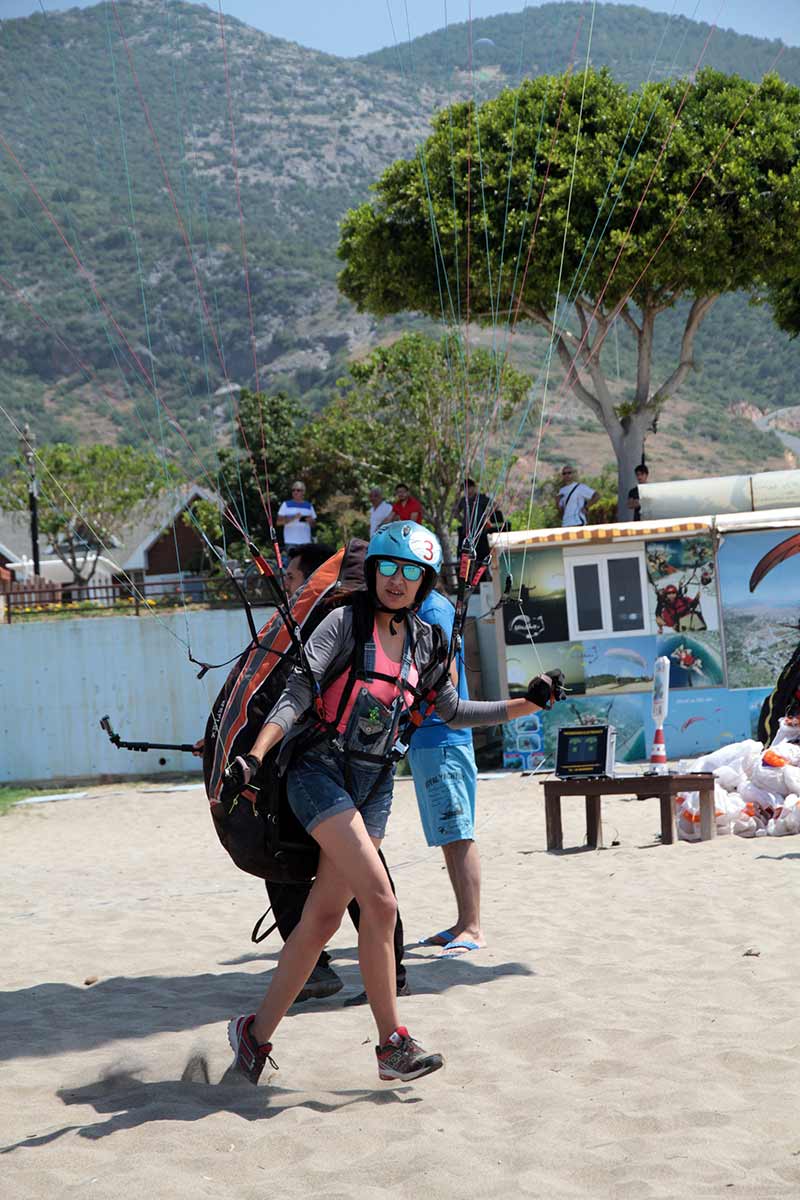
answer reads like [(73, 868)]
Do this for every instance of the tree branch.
[(625, 313), (697, 314), (576, 383), (538, 315), (644, 364)]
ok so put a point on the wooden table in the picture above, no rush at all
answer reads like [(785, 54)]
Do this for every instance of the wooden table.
[(663, 788)]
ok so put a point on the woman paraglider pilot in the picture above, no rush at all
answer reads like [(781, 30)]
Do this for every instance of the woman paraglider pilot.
[(677, 610), (374, 665)]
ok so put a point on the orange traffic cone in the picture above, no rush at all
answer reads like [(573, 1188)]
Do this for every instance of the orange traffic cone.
[(658, 755)]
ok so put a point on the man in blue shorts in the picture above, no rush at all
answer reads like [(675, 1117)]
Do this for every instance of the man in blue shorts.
[(445, 779)]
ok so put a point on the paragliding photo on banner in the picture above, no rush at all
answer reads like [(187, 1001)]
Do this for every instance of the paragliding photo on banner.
[(695, 660), (683, 589), (523, 662), (699, 723), (760, 588), (540, 614), (628, 715), (619, 666)]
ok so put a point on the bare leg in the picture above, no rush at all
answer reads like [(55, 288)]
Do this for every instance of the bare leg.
[(349, 866), (464, 868)]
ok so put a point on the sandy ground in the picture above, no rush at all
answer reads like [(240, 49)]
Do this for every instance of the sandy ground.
[(614, 1039)]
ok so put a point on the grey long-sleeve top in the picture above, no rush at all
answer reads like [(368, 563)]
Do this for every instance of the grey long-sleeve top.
[(329, 651)]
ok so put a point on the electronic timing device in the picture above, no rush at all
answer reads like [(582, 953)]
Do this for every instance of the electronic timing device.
[(586, 751)]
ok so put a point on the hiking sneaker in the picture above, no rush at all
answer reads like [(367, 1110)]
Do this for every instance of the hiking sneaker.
[(323, 981), (402, 1058), (249, 1058)]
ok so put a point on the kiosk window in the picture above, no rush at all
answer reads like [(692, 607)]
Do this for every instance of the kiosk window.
[(588, 603), (606, 594), (625, 595)]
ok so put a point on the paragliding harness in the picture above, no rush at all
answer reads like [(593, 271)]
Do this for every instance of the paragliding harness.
[(257, 826), (783, 700), (375, 734)]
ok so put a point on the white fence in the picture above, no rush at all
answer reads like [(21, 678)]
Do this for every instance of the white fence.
[(58, 678)]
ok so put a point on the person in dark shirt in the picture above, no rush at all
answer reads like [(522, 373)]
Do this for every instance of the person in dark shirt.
[(634, 503), (476, 513)]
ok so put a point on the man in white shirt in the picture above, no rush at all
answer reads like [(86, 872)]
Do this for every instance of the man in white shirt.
[(380, 512), (574, 498), (297, 517)]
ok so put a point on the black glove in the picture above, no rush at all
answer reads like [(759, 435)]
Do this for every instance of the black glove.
[(545, 690), (237, 775)]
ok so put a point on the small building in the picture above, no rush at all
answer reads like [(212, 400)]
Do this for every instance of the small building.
[(718, 595), (159, 548), (162, 548)]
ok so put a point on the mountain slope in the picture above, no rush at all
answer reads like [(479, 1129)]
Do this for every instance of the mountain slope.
[(311, 133), (634, 43)]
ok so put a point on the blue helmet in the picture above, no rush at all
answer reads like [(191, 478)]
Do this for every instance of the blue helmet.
[(408, 542)]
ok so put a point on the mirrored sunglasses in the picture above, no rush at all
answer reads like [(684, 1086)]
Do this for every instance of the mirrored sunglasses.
[(411, 571)]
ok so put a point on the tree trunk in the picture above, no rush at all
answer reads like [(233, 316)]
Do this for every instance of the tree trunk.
[(440, 522), (628, 445), (627, 432)]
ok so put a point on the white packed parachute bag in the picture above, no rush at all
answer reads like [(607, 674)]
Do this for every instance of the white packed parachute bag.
[(770, 773), (729, 777), (761, 800), (791, 779), (788, 731), (756, 791), (787, 821), (790, 751), (746, 825), (687, 816), (727, 807), (732, 755), (751, 759)]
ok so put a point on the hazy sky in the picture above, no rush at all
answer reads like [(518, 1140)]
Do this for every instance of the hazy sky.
[(737, 558), (350, 27)]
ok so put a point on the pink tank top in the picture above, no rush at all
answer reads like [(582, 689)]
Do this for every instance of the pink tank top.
[(379, 688)]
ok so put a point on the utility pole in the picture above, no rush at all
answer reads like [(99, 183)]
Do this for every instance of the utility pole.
[(27, 445)]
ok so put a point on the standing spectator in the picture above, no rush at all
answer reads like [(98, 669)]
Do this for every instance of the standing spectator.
[(472, 514), (406, 507), (634, 503), (574, 497), (442, 763), (380, 512), (297, 517)]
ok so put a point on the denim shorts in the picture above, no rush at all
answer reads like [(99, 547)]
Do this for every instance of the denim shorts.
[(316, 788), (445, 780)]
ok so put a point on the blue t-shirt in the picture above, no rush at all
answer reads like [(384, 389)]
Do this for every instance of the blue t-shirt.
[(436, 610)]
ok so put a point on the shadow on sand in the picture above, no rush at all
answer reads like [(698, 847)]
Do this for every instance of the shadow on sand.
[(127, 1102), (60, 1018)]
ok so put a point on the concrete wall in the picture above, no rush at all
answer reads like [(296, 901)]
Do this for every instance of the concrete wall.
[(58, 678)]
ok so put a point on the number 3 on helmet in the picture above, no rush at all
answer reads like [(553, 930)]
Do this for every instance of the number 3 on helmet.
[(406, 541)]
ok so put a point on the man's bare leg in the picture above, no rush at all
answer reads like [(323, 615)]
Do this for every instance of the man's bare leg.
[(464, 868)]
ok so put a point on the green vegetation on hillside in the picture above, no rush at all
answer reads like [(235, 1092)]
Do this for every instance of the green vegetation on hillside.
[(312, 133), (634, 43)]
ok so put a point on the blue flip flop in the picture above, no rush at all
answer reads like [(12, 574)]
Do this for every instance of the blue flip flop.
[(461, 946), (445, 937)]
